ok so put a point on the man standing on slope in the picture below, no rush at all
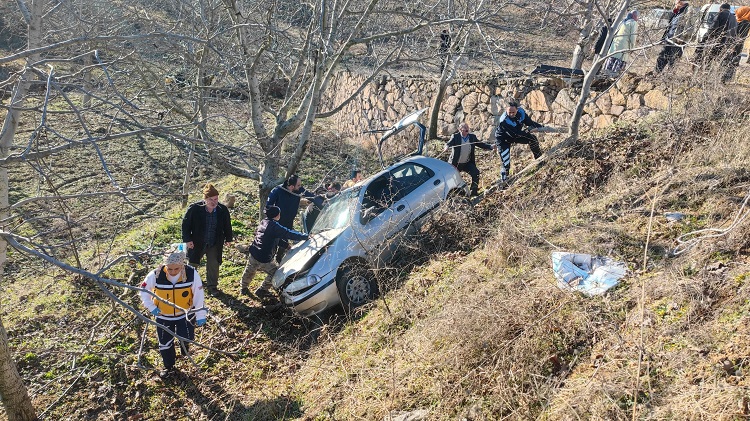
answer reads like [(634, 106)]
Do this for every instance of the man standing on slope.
[(511, 130), (462, 154), (205, 228), (676, 36), (267, 235)]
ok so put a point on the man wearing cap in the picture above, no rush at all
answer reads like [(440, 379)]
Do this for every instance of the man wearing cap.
[(205, 228), (511, 130), (261, 255), (462, 145), (173, 293), (676, 36)]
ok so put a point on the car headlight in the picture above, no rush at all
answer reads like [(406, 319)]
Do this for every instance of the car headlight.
[(303, 283)]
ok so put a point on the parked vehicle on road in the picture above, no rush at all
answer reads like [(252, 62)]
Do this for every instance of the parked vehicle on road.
[(361, 229)]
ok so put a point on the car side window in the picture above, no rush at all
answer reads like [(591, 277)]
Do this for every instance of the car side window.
[(410, 176), (380, 195)]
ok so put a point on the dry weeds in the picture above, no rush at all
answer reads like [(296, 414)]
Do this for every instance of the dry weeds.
[(489, 336)]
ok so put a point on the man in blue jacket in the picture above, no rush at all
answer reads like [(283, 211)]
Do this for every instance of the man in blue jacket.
[(511, 130), (287, 197), (267, 237)]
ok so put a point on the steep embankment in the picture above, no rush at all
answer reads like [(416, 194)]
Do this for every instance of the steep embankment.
[(473, 324), (488, 335)]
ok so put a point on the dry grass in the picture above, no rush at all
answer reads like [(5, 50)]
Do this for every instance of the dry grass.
[(489, 336), (473, 326)]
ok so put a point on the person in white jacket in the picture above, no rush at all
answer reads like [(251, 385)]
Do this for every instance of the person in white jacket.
[(622, 43), (173, 293)]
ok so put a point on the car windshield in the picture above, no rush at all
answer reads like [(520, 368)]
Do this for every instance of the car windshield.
[(337, 212)]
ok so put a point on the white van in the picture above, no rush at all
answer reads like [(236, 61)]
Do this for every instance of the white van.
[(708, 17)]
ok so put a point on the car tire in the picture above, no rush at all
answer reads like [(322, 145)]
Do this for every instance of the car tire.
[(357, 286)]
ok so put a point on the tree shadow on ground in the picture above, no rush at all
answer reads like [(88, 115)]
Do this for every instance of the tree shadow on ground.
[(274, 319), (216, 403)]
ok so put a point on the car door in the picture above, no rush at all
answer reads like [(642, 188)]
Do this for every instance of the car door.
[(422, 188), (383, 214)]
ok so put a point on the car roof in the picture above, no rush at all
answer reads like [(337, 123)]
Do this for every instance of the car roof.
[(427, 161), (714, 7)]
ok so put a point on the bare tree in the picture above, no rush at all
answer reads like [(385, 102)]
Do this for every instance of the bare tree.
[(78, 111), (304, 48), (12, 390), (101, 80)]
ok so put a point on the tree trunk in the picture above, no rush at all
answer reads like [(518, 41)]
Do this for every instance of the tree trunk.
[(268, 180), (449, 71), (583, 38), (436, 103), (575, 120), (87, 80), (12, 390), (199, 119)]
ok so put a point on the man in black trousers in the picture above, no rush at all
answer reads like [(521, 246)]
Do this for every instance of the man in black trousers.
[(462, 146)]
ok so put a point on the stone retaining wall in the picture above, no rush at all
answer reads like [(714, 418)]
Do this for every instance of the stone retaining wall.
[(480, 101)]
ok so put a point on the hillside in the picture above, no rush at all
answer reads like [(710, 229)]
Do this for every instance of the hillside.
[(472, 324)]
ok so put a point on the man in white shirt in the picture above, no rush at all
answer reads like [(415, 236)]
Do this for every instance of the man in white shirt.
[(462, 146)]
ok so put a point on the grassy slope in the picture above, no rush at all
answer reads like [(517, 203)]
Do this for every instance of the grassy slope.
[(484, 333), (489, 334), (478, 330)]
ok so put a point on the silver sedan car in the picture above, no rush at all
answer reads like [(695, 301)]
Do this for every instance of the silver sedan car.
[(359, 231)]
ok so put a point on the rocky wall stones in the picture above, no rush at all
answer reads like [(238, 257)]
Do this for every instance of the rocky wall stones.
[(538, 101), (656, 100), (480, 101)]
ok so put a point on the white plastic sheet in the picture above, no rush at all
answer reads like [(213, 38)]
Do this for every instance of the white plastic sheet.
[(590, 275)]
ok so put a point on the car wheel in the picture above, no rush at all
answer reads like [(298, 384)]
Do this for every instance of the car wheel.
[(357, 286)]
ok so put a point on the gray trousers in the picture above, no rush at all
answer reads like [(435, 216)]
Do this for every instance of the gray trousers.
[(213, 254), (253, 266)]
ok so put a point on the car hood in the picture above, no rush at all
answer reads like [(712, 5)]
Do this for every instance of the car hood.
[(298, 257)]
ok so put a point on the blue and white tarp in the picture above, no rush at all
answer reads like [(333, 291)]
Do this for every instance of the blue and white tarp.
[(590, 275)]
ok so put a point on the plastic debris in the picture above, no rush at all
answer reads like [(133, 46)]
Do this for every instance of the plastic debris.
[(590, 275), (674, 216), (179, 247)]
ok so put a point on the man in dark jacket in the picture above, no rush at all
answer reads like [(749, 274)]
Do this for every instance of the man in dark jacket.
[(267, 236), (511, 130), (205, 228), (462, 157), (287, 197), (723, 29), (678, 34)]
